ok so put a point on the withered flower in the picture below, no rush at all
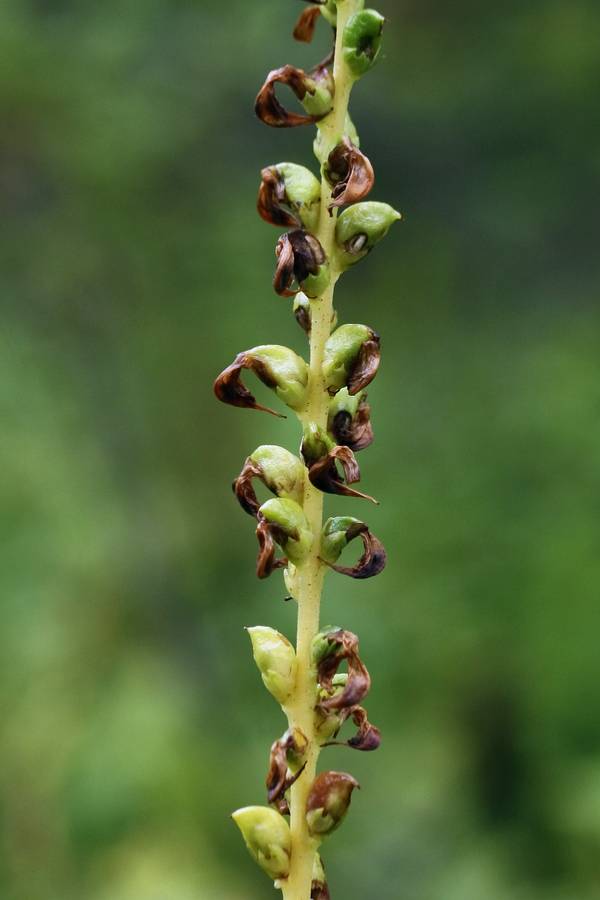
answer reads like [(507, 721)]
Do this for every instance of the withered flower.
[(304, 29), (301, 265), (350, 420), (289, 196), (265, 561), (350, 173), (324, 473), (331, 647), (287, 752), (279, 368), (314, 90), (368, 736), (339, 531), (328, 801), (282, 521), (351, 359), (278, 469)]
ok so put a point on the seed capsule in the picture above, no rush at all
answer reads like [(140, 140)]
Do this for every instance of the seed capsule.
[(362, 41), (267, 836), (351, 358), (289, 196), (361, 226), (328, 802), (276, 661), (277, 468)]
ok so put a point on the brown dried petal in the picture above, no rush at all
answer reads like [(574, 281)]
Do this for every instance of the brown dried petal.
[(279, 778), (359, 681), (325, 476), (265, 561), (229, 389), (373, 559), (284, 273), (305, 26), (299, 254), (268, 108), (351, 174), (366, 365), (368, 737), (354, 432), (271, 200), (243, 489)]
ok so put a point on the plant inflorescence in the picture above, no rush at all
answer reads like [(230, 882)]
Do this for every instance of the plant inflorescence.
[(321, 683)]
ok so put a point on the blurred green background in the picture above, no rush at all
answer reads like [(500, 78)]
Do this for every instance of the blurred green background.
[(134, 268)]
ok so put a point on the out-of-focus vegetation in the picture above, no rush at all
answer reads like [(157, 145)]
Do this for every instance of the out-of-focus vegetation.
[(133, 269)]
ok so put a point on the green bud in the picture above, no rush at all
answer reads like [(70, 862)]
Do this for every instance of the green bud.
[(288, 371), (362, 41), (267, 836), (334, 536), (289, 526), (351, 358), (361, 226), (328, 802), (318, 99), (282, 472), (276, 661)]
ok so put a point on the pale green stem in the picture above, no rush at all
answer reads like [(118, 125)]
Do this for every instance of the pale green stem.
[(310, 574)]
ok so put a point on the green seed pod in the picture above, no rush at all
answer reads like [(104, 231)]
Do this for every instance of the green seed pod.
[(279, 368), (267, 836), (277, 468), (361, 226), (362, 41), (289, 196), (328, 802), (351, 358), (276, 661), (289, 527)]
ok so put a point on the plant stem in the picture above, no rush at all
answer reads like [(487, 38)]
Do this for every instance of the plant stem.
[(310, 574)]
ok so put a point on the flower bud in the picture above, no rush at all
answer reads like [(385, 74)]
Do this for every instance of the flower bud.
[(351, 358), (279, 368), (362, 41), (276, 661), (328, 802), (267, 837), (349, 420), (350, 174), (314, 90), (360, 227), (339, 531), (289, 196), (277, 468), (288, 526), (286, 764), (303, 314), (301, 264)]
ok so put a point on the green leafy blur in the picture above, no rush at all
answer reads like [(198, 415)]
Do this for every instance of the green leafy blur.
[(134, 268)]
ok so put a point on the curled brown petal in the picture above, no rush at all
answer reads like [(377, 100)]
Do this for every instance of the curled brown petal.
[(279, 778), (305, 26), (268, 108), (299, 254), (243, 489), (229, 389), (366, 365), (354, 432), (350, 173), (271, 200), (367, 738), (324, 474), (265, 561), (373, 559), (358, 682)]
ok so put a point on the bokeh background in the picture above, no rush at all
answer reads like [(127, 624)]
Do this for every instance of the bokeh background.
[(134, 268)]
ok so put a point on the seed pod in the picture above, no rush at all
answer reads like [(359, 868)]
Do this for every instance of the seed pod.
[(289, 196), (287, 525), (278, 469), (276, 661), (350, 173), (303, 315), (279, 368), (286, 764), (339, 531), (330, 648), (304, 29), (362, 41), (314, 90), (351, 358), (301, 265), (328, 802), (360, 227), (319, 889), (349, 420), (267, 836)]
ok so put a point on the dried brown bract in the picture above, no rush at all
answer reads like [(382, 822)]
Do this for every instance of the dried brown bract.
[(266, 563), (268, 108), (243, 489), (279, 777), (299, 254), (324, 473), (229, 389), (355, 431), (373, 558), (305, 26), (350, 173), (366, 365), (272, 198)]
